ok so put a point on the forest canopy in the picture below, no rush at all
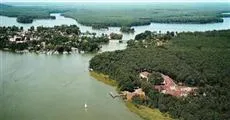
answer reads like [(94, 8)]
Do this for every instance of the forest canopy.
[(198, 59), (102, 16), (24, 19)]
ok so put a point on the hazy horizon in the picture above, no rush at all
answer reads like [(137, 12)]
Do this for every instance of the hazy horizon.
[(117, 1)]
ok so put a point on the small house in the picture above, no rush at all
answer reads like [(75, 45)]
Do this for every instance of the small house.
[(144, 75)]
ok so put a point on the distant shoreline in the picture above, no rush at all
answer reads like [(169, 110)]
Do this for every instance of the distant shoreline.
[(92, 15)]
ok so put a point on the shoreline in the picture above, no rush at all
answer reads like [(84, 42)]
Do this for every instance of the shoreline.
[(221, 14), (143, 112), (103, 78), (139, 25), (147, 113)]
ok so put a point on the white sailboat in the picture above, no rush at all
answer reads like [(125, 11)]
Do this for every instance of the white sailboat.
[(85, 105)]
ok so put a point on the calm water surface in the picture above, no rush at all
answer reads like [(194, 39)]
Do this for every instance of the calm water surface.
[(42, 87), (9, 21)]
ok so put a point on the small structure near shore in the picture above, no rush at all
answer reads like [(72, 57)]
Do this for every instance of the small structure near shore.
[(129, 95), (113, 95), (137, 92)]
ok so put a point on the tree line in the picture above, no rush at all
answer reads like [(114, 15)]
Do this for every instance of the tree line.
[(198, 59)]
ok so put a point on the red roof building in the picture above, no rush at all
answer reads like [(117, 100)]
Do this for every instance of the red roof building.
[(170, 87)]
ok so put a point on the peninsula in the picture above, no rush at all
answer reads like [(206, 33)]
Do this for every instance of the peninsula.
[(50, 40), (184, 74)]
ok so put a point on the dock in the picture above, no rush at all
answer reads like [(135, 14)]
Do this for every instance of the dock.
[(113, 95)]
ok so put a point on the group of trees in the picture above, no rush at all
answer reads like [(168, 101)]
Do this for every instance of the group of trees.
[(188, 19), (4, 32), (83, 43), (126, 29), (92, 44), (151, 36), (57, 38), (116, 36), (24, 19), (198, 59), (99, 26), (29, 19)]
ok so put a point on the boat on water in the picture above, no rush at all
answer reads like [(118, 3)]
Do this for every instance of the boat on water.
[(86, 105)]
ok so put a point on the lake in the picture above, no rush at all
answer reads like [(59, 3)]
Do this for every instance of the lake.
[(56, 87), (163, 27)]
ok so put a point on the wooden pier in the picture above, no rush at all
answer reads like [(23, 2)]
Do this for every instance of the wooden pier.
[(114, 96)]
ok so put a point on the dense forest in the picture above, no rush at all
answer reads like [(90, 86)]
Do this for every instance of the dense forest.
[(144, 14), (26, 14), (99, 26), (200, 59), (125, 14), (24, 19)]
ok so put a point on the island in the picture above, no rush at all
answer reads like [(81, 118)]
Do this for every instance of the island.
[(29, 19), (185, 75), (27, 14), (126, 29), (50, 40), (116, 36), (24, 19)]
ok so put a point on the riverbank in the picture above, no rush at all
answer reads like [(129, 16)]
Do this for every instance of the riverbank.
[(142, 111), (103, 78), (147, 113)]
